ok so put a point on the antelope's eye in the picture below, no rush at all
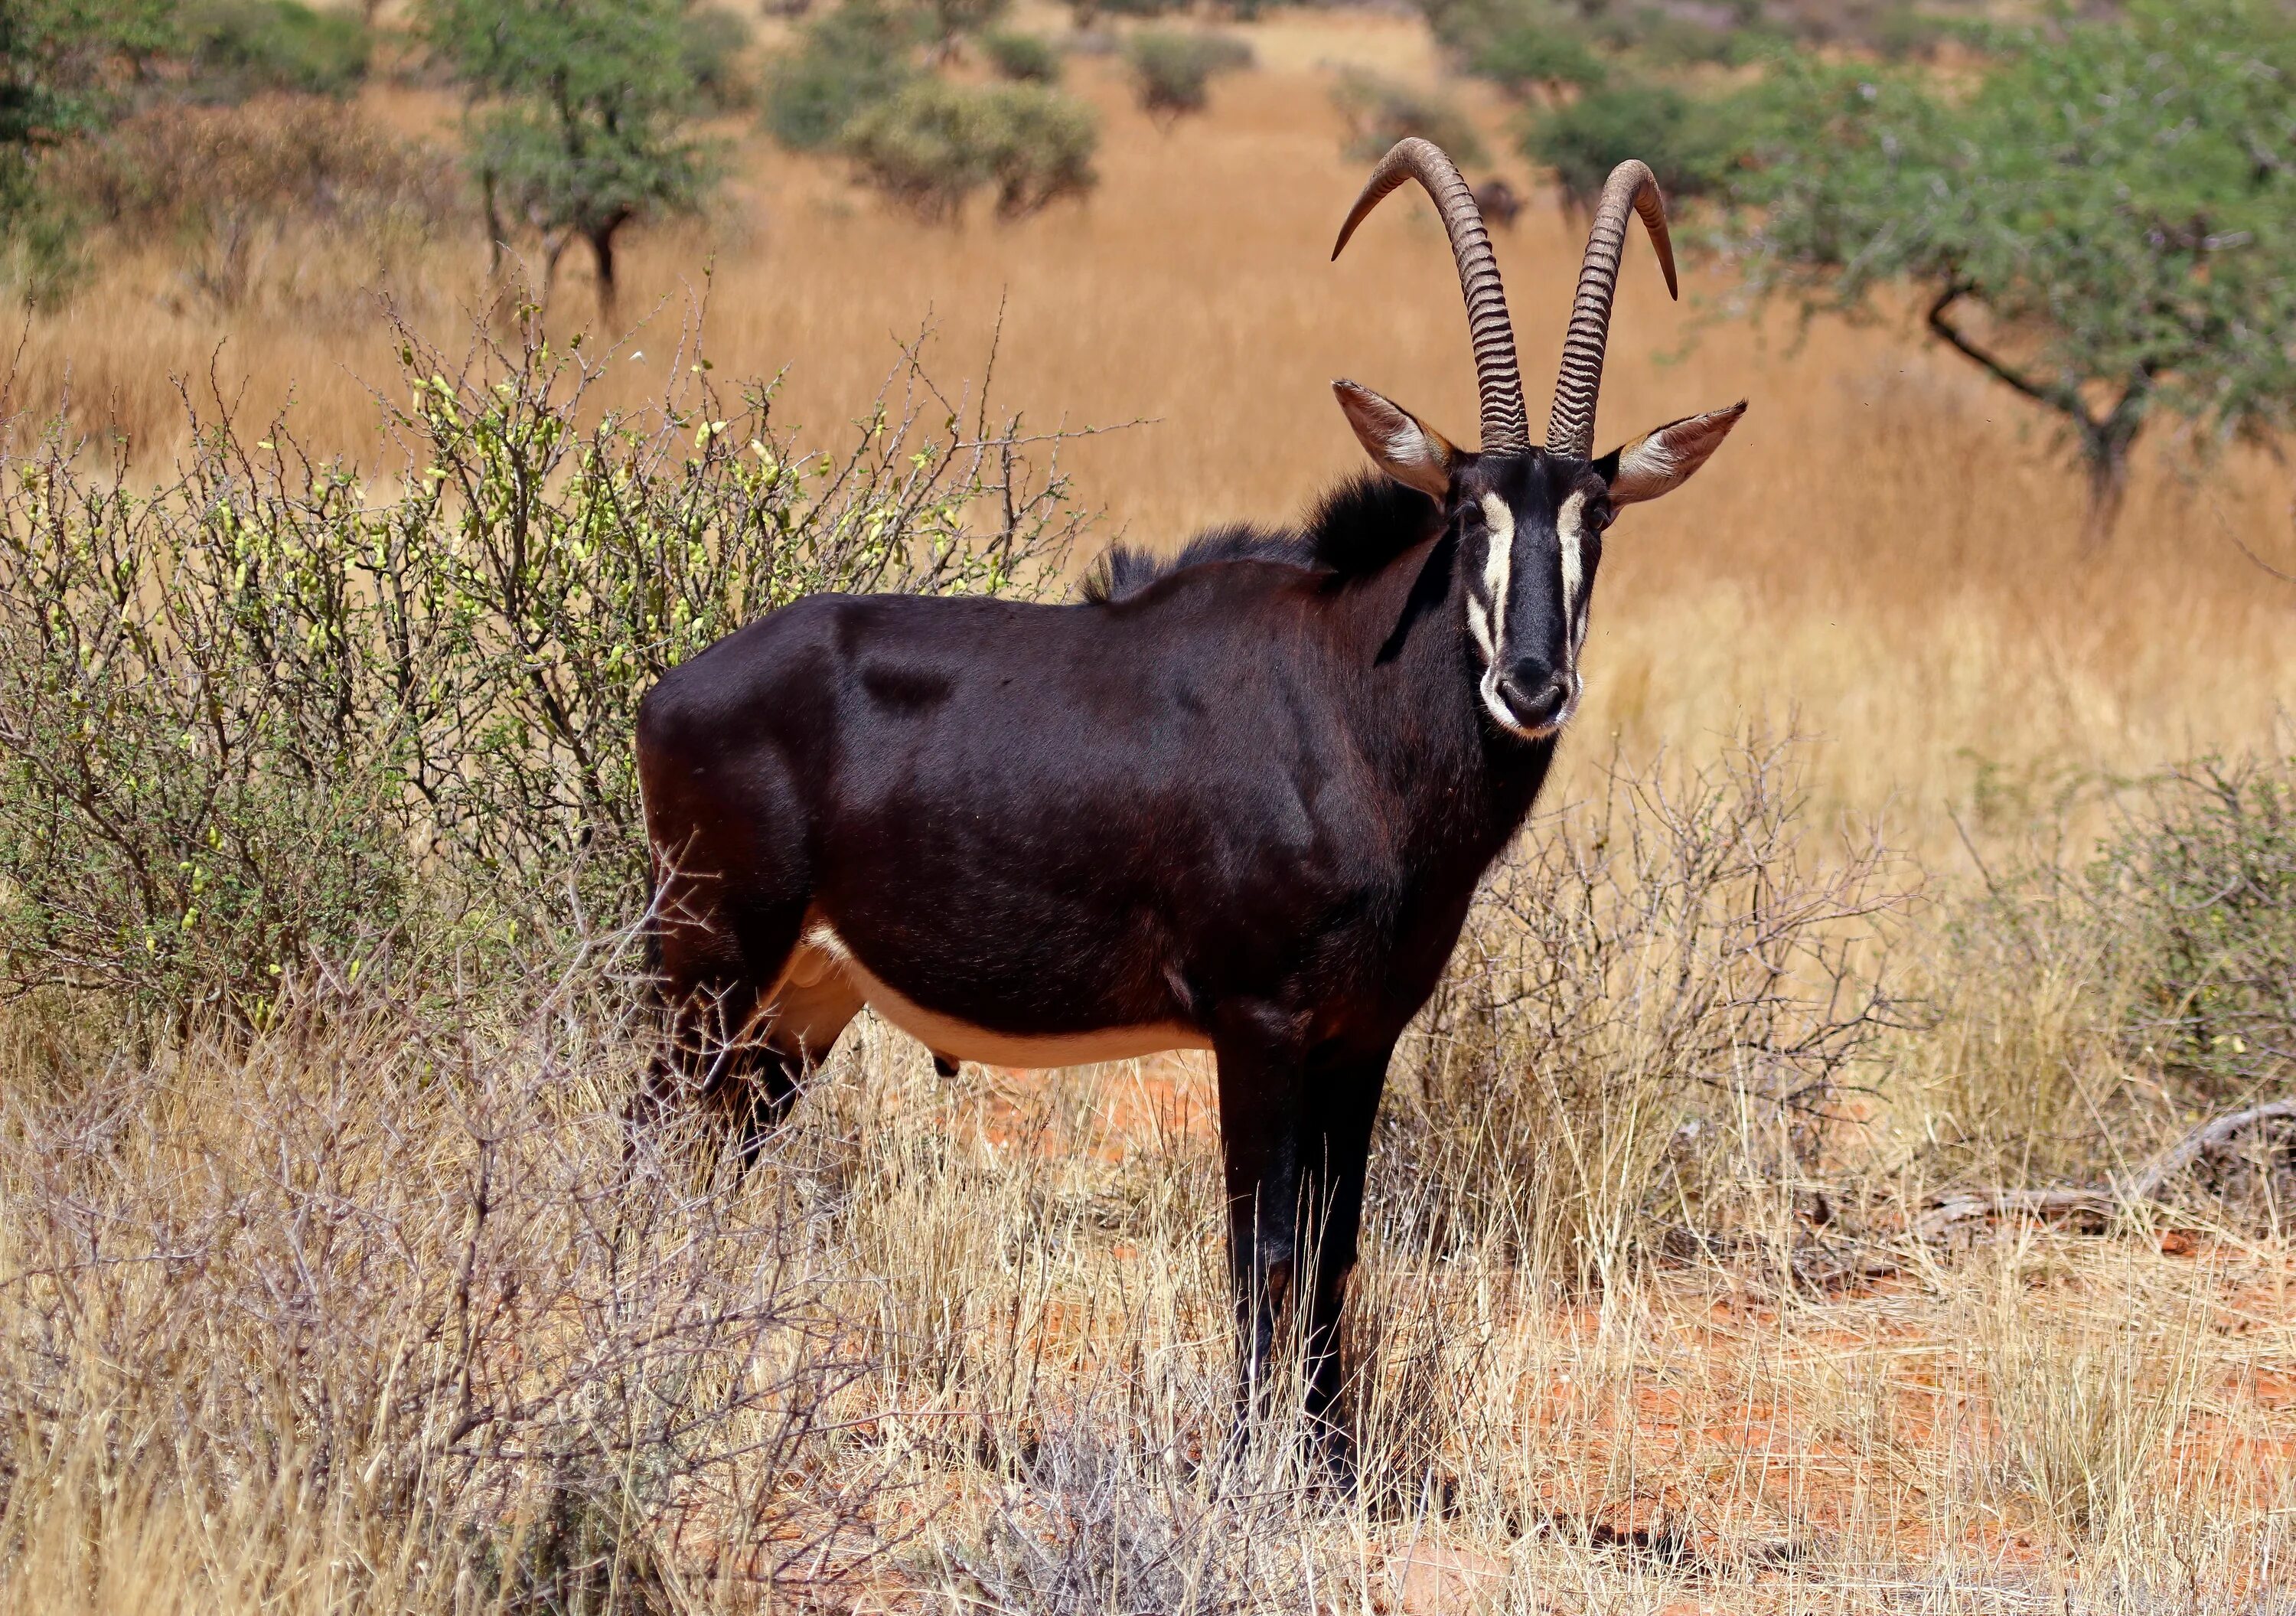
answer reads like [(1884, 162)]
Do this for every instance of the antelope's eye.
[(1598, 517)]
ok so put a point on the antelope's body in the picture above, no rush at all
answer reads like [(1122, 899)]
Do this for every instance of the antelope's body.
[(1038, 835), (1238, 801)]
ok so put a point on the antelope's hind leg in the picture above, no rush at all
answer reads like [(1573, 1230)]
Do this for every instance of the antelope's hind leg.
[(796, 1026), (750, 1010)]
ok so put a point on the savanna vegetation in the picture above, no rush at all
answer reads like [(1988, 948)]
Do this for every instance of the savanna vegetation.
[(1848, 1166)]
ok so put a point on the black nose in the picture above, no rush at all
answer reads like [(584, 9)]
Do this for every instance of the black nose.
[(1536, 696)]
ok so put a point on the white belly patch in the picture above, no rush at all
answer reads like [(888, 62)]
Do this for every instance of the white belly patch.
[(821, 955)]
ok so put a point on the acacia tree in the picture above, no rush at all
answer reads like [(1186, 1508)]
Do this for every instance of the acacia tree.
[(947, 21), (2106, 224), (581, 117), (56, 58)]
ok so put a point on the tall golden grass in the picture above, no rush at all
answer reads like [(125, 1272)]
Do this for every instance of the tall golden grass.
[(371, 1314), (965, 1346)]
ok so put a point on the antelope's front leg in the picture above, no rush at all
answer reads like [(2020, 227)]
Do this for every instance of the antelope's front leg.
[(1262, 1079), (1340, 1105)]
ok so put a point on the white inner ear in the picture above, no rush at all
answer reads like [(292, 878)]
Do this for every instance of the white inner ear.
[(1402, 448), (1646, 469), (1406, 449)]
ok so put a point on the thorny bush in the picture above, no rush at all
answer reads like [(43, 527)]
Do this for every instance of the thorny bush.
[(1091, 1525), (279, 710), (383, 1294), (2095, 1009), (1662, 994), (2201, 883), (936, 143)]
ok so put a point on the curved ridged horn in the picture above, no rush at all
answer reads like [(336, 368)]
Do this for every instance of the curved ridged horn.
[(1506, 429), (1570, 427)]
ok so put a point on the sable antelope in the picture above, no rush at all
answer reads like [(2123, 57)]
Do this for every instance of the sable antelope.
[(1238, 800), (1498, 201)]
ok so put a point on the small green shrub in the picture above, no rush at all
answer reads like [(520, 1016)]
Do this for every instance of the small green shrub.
[(241, 46), (1528, 58), (1172, 71), (710, 50), (2092, 1010), (1901, 32), (1379, 111), (1045, 150), (947, 22), (1086, 13), (856, 58), (929, 148), (936, 143), (1022, 58), (41, 229), (1462, 25), (2199, 891), (223, 185), (1666, 40), (1687, 142), (270, 713)]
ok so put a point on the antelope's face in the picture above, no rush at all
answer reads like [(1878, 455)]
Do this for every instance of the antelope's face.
[(1530, 525), (1530, 521), (1531, 531)]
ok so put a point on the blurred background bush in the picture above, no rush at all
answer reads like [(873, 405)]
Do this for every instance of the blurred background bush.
[(1172, 71)]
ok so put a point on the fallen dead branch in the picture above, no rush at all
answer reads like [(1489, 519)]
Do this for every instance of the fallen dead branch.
[(2096, 1208), (2210, 1136)]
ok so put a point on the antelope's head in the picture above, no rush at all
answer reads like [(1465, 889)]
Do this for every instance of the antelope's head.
[(1530, 521)]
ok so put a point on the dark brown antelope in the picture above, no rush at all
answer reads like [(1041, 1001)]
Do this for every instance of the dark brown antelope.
[(1238, 800)]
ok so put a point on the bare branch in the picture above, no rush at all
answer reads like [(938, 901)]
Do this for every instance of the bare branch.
[(2062, 399)]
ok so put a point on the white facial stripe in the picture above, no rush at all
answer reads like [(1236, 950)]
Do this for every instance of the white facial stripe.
[(1489, 628), (1498, 570), (1568, 523), (1479, 624), (1498, 566)]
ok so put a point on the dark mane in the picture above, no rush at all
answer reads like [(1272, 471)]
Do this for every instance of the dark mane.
[(1355, 530)]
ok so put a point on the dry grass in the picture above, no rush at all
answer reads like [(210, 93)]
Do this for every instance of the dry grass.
[(966, 1345), (360, 1320), (376, 1309)]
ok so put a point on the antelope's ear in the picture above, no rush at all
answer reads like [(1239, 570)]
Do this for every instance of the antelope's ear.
[(1404, 447), (1660, 462)]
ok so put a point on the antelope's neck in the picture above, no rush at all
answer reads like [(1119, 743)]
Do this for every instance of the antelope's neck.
[(1459, 782)]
